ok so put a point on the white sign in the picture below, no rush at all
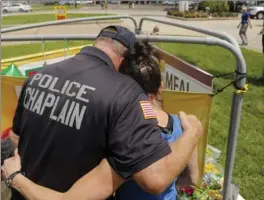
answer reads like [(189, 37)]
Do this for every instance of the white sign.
[(177, 80), (182, 76)]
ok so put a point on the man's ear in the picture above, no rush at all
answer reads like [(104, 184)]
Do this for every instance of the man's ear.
[(119, 61)]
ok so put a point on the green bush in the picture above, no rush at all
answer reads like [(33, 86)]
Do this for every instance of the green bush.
[(214, 6), (199, 14), (180, 14), (196, 14), (188, 14)]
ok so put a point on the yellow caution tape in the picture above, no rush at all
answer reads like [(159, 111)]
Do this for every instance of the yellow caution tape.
[(21, 60), (243, 90)]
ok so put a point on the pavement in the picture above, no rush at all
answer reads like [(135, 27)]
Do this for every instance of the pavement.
[(228, 26)]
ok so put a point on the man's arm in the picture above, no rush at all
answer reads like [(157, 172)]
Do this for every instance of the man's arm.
[(136, 148), (168, 168), (157, 177)]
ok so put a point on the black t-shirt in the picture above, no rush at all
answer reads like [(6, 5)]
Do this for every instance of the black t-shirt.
[(76, 112)]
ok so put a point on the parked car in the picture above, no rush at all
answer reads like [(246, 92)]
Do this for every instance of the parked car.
[(17, 7), (48, 3), (256, 11), (113, 1), (74, 2), (236, 6), (86, 2), (63, 3), (169, 2)]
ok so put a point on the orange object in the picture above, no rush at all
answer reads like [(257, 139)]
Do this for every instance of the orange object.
[(10, 90), (60, 12)]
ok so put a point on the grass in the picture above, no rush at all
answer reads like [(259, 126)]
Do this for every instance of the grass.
[(37, 18), (249, 165)]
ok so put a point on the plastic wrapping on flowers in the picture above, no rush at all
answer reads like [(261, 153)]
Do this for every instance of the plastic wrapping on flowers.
[(213, 179)]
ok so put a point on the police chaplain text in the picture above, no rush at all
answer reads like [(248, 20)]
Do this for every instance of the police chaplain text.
[(71, 113)]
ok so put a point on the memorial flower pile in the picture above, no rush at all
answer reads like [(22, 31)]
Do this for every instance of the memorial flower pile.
[(212, 183)]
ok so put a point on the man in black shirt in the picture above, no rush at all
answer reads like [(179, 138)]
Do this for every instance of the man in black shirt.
[(76, 112)]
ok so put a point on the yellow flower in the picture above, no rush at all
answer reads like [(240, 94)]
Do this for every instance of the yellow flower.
[(211, 168)]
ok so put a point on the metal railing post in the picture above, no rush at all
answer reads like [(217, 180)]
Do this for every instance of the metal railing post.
[(237, 97), (221, 35)]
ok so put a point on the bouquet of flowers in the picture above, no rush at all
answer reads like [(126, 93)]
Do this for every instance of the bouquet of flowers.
[(212, 184)]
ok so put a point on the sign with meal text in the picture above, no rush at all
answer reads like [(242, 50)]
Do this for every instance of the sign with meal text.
[(180, 75)]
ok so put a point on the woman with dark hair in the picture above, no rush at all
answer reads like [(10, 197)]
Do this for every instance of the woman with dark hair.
[(142, 64)]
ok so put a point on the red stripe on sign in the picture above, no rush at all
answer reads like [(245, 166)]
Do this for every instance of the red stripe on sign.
[(148, 110)]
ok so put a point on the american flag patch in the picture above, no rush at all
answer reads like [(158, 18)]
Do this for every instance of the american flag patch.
[(148, 110)]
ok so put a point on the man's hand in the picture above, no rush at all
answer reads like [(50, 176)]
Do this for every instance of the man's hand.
[(190, 122), (11, 165)]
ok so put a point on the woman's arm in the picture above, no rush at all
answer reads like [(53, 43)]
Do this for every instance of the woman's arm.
[(98, 184), (32, 191), (193, 167), (190, 175)]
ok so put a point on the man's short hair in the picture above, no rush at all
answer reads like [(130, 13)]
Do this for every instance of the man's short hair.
[(118, 34), (116, 46)]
